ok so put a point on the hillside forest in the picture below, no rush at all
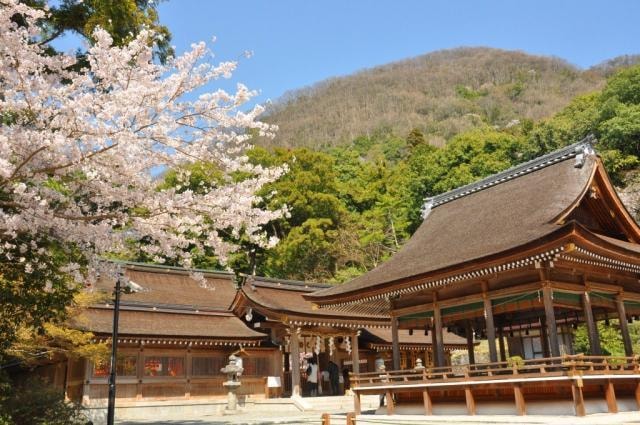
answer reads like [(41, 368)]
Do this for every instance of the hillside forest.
[(352, 206)]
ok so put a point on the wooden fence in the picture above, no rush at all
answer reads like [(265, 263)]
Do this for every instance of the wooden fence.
[(536, 378)]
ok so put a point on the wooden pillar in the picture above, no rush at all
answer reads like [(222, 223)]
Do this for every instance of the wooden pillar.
[(550, 319), (610, 395), (356, 402), (428, 403), (592, 329), (437, 324), (471, 402), (521, 407), (544, 338), (491, 329), (390, 404), (503, 354), (139, 372), (637, 394), (86, 386), (395, 343), (470, 347), (187, 389), (578, 398), (624, 329), (294, 349), (434, 343), (67, 376), (355, 354)]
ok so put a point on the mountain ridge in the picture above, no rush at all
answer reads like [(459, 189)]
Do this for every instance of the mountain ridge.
[(441, 93)]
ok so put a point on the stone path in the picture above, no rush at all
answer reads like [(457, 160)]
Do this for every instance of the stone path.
[(262, 418)]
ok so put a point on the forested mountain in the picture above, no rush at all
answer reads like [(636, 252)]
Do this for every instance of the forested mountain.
[(352, 205), (441, 94)]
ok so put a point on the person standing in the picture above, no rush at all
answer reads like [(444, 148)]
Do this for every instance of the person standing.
[(312, 377), (334, 377)]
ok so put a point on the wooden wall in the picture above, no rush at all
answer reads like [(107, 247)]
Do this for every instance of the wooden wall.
[(159, 373)]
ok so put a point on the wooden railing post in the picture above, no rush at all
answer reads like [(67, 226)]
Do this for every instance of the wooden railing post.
[(351, 418), (326, 419)]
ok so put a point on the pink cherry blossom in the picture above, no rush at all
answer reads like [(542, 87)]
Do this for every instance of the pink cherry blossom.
[(78, 150)]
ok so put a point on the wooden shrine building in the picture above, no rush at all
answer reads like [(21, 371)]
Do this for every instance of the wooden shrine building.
[(519, 258), (177, 333), (353, 341)]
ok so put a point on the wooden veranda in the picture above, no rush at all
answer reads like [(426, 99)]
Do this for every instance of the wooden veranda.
[(575, 377)]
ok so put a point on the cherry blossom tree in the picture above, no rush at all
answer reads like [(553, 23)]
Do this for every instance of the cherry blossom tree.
[(79, 150)]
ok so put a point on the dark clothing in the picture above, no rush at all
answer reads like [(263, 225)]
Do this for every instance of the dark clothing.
[(334, 377)]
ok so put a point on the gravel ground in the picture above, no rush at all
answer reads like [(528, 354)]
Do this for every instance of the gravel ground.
[(248, 418)]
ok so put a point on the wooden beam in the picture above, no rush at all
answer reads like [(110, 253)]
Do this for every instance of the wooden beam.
[(552, 328), (389, 400), (521, 406), (294, 349), (592, 330), (490, 327), (471, 402), (428, 404), (610, 396), (467, 299), (579, 288), (395, 343), (470, 345), (624, 328), (578, 398)]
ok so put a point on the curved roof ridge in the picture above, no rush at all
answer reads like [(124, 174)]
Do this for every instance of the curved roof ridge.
[(577, 150)]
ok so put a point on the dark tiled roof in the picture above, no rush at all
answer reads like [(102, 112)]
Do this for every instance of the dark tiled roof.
[(479, 223), (630, 246), (176, 288), (165, 324), (418, 337), (284, 298)]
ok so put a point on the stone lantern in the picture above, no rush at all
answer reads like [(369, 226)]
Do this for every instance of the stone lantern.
[(232, 370)]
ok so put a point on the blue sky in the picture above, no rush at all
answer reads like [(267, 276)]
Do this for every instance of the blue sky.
[(298, 43)]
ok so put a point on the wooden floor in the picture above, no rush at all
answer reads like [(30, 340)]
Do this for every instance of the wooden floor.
[(573, 378)]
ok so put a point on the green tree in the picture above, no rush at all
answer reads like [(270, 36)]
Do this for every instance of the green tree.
[(416, 138), (610, 339), (123, 19), (33, 402)]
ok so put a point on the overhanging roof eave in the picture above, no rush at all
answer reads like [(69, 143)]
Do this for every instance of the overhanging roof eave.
[(559, 237)]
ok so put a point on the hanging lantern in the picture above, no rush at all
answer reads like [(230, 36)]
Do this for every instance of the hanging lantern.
[(317, 347), (347, 342), (331, 346)]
